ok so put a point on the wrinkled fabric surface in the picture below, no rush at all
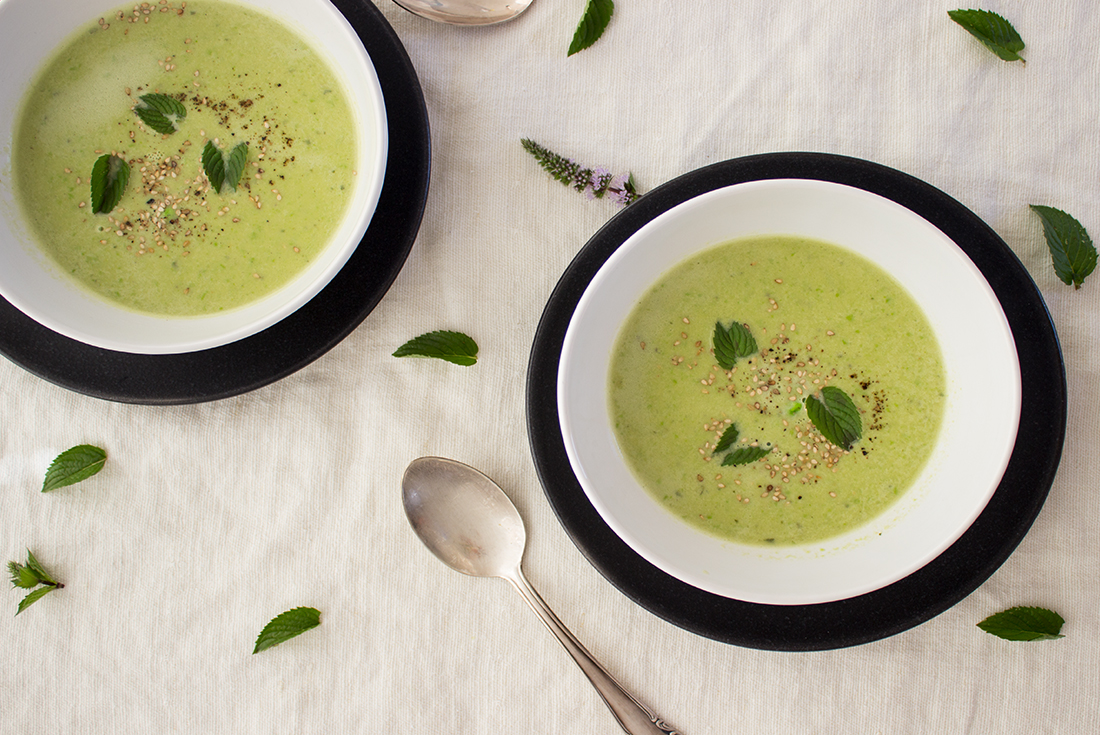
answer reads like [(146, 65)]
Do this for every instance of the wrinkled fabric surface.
[(211, 519)]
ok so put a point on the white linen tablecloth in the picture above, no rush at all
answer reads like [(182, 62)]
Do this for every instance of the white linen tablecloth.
[(210, 519)]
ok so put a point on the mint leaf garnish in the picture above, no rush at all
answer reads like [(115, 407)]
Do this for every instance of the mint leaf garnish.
[(835, 416), (453, 347), (73, 465), (286, 625), (160, 112), (30, 576), (224, 171), (729, 436), (995, 32), (110, 175), (1069, 243), (745, 455), (597, 14), (1024, 624), (731, 343)]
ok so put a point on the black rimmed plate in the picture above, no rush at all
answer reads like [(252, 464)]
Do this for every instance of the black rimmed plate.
[(892, 609), (306, 334)]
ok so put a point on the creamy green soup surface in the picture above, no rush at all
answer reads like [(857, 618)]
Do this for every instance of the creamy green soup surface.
[(821, 316), (174, 246)]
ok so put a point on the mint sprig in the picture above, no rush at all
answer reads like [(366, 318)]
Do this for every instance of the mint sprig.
[(222, 169), (732, 343), (160, 112), (597, 14), (595, 183), (1069, 243), (110, 174), (285, 626), (1024, 624), (454, 347), (30, 576), (996, 33), (73, 465), (729, 436), (835, 416)]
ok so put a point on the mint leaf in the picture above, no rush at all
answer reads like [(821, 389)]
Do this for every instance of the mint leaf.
[(1024, 624), (286, 625), (160, 112), (835, 416), (729, 436), (34, 597), (453, 347), (224, 171), (22, 576), (995, 32), (745, 455), (40, 571), (110, 175), (1069, 243), (597, 14), (732, 343), (73, 465)]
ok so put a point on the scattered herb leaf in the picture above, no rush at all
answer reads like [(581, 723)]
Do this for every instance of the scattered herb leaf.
[(160, 112), (595, 183), (1024, 624), (732, 343), (745, 455), (995, 32), (597, 14), (224, 171), (30, 576), (110, 175), (286, 625), (835, 416), (73, 465), (729, 436), (453, 347), (1069, 243)]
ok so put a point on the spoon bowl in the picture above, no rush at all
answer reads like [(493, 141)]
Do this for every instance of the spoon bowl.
[(467, 521), (466, 12)]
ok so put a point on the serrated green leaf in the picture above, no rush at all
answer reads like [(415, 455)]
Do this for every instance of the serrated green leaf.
[(745, 455), (732, 343), (597, 14), (835, 416), (110, 174), (729, 436), (22, 576), (224, 170), (286, 625), (1024, 624), (996, 33), (1070, 246), (453, 347), (160, 112), (39, 571), (73, 465), (34, 597)]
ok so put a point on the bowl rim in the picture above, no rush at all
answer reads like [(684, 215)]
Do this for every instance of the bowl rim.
[(141, 333), (855, 562)]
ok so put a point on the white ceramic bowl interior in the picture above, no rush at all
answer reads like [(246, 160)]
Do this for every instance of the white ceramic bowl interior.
[(30, 31), (980, 421)]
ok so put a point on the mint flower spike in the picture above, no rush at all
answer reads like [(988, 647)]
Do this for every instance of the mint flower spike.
[(593, 183)]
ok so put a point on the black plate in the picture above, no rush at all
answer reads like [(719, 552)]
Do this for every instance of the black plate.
[(306, 334), (908, 602)]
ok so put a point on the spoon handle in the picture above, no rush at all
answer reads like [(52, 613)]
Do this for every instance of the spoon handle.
[(634, 717)]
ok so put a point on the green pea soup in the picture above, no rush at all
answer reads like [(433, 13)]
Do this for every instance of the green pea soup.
[(821, 316)]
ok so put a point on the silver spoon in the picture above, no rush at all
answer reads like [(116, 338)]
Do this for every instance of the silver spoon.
[(466, 12), (471, 525)]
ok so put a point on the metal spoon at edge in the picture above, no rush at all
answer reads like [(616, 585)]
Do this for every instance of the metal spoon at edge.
[(467, 521), (466, 12)]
